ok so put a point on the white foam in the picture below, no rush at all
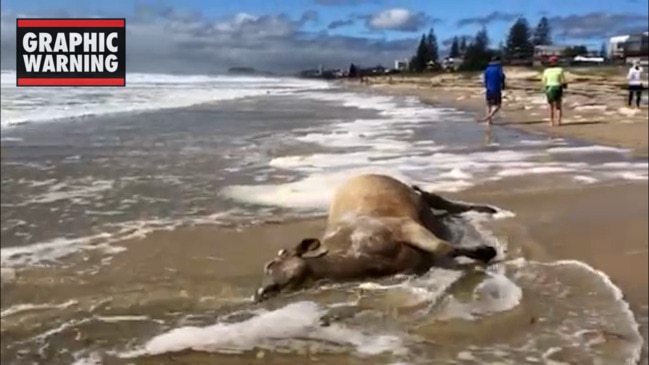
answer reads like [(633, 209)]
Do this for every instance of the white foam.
[(628, 175), (269, 330), (142, 92), (10, 139), (551, 351), (52, 251), (587, 149), (585, 179), (378, 102), (501, 214), (625, 165), (21, 308), (58, 248), (49, 251), (382, 145), (542, 142), (575, 306), (92, 359), (457, 174), (427, 288), (534, 170), (633, 338), (495, 294), (124, 318), (438, 172), (59, 192), (313, 192), (618, 296), (591, 107)]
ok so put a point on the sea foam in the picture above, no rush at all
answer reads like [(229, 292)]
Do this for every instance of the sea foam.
[(142, 92), (268, 330), (389, 145)]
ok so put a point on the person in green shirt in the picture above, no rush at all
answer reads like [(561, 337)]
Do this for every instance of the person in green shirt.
[(554, 82)]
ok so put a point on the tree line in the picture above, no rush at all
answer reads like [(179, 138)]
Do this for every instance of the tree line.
[(476, 53)]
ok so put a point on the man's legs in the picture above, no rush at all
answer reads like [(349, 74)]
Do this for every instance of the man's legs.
[(638, 96), (551, 106), (550, 97), (631, 92), (491, 111), (488, 105), (494, 110), (555, 96), (494, 100), (488, 113)]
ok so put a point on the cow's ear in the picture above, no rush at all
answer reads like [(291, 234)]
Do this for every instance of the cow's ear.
[(307, 245)]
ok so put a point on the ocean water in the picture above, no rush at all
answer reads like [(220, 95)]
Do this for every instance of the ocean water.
[(144, 92), (84, 169)]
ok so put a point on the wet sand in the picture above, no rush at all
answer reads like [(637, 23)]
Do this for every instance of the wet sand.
[(206, 270), (194, 270), (594, 104), (604, 226)]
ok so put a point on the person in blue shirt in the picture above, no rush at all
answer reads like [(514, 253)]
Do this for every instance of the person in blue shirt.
[(494, 82)]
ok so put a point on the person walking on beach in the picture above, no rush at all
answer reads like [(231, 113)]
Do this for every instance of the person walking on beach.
[(494, 82), (554, 82), (635, 84)]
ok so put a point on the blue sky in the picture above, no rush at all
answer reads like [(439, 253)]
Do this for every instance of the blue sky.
[(330, 32), (329, 11)]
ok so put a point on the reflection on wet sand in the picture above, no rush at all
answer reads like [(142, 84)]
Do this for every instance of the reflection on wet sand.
[(162, 286)]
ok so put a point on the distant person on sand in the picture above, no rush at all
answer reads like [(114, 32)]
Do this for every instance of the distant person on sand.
[(635, 83), (494, 82), (554, 82), (353, 71)]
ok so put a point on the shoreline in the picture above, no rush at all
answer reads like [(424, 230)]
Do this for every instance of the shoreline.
[(597, 247), (554, 221), (600, 118), (219, 265)]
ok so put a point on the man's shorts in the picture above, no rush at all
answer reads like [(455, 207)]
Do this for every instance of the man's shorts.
[(554, 94), (494, 98)]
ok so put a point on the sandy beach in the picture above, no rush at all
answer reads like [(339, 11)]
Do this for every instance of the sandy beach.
[(175, 280), (603, 226), (594, 103)]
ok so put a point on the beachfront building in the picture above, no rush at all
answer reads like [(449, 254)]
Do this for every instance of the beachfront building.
[(616, 46), (629, 47), (636, 47), (401, 65)]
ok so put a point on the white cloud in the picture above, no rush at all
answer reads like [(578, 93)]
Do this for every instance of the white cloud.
[(391, 18), (168, 40), (398, 19)]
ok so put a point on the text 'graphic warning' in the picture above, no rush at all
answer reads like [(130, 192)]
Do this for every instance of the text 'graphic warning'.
[(70, 52)]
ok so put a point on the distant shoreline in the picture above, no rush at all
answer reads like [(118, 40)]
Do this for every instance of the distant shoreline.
[(594, 105)]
